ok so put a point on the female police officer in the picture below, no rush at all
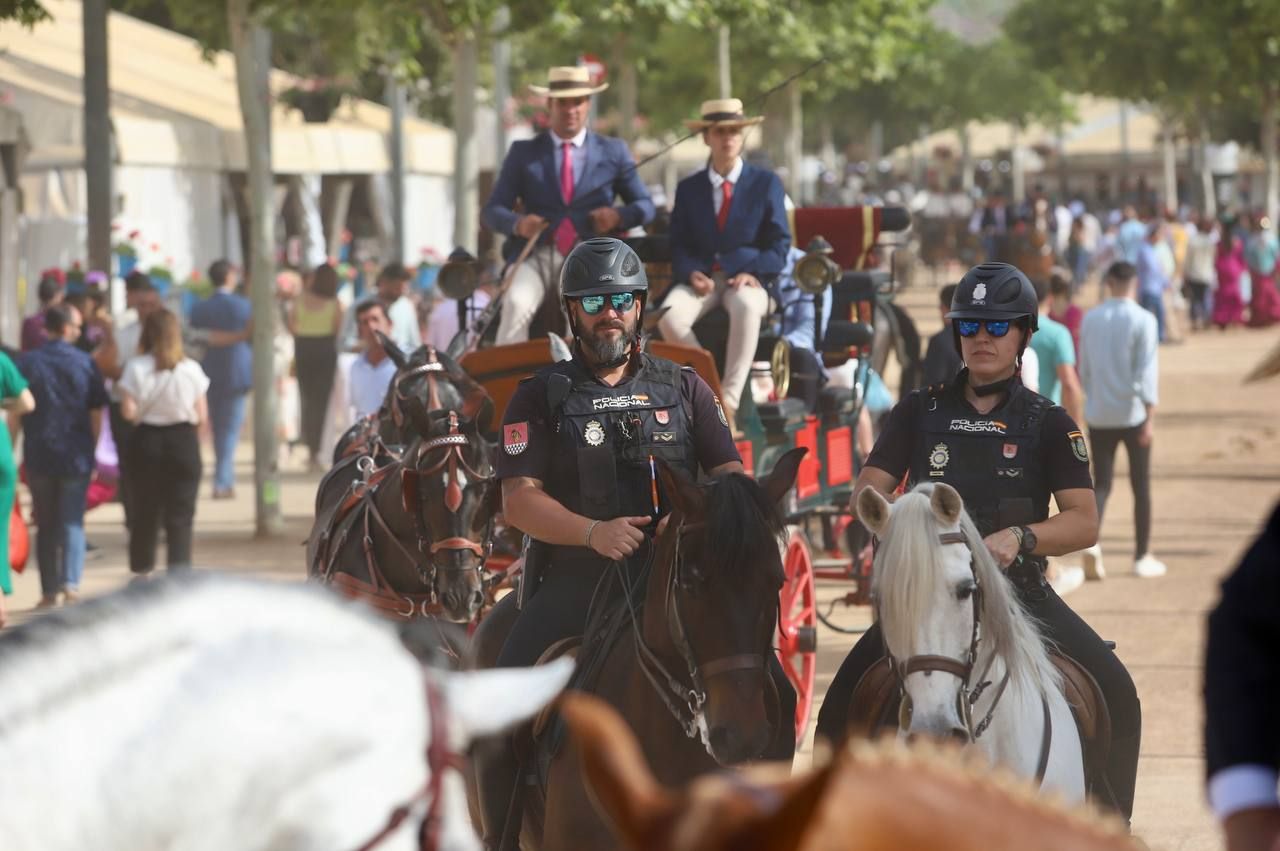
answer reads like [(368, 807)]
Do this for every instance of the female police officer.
[(1005, 449), (570, 441)]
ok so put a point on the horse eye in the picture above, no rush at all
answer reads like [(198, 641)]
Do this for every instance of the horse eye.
[(964, 592)]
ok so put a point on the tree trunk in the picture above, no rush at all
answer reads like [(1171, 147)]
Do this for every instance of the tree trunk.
[(795, 140), (500, 54), (827, 138), (1209, 200), (1018, 192), (1124, 190), (396, 100), (1169, 155), (1269, 153), (966, 160), (97, 135), (723, 61), (251, 45), (466, 167), (628, 86)]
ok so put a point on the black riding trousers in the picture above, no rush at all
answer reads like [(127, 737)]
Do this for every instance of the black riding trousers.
[(1075, 638)]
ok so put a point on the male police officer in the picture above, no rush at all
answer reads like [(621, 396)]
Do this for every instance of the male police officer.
[(1006, 450), (575, 468)]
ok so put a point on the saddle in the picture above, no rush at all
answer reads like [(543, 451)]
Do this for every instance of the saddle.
[(874, 710)]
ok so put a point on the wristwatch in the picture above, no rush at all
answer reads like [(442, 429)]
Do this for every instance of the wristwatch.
[(1027, 539)]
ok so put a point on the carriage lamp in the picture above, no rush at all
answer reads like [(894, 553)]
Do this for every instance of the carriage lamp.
[(816, 270), (459, 276)]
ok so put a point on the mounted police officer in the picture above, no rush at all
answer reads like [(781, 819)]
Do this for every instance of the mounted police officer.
[(576, 472), (1006, 450)]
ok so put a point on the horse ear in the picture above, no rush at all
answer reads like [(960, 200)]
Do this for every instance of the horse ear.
[(946, 504), (786, 828), (873, 510), (482, 703), (618, 778), (392, 350), (683, 491), (783, 476)]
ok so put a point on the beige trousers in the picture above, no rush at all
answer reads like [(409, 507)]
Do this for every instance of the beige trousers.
[(746, 306), (524, 297)]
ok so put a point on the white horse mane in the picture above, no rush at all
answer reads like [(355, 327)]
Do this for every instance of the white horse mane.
[(909, 566), (213, 713)]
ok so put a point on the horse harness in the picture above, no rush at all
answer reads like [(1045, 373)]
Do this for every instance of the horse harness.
[(684, 702), (968, 696), (379, 592), (439, 759)]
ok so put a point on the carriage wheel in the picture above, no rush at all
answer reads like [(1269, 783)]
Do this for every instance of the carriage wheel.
[(798, 627)]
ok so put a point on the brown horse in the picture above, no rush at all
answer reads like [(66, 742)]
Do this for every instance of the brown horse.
[(871, 797), (689, 668), (410, 537)]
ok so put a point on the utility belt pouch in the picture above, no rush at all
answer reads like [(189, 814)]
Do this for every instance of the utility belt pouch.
[(535, 566)]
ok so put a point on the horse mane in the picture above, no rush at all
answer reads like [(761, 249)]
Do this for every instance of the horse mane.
[(741, 523), (909, 566), (73, 653)]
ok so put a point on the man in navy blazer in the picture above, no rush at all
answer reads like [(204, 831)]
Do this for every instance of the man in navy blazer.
[(560, 206), (729, 235)]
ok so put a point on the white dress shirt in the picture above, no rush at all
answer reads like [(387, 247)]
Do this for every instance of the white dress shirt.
[(578, 154), (717, 194)]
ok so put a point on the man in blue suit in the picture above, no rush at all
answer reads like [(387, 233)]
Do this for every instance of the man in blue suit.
[(729, 235), (560, 205)]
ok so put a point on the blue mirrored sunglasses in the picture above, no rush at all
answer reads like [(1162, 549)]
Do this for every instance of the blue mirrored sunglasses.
[(995, 327), (621, 302)]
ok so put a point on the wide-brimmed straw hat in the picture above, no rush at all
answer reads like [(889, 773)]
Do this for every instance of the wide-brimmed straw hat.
[(568, 81), (724, 113)]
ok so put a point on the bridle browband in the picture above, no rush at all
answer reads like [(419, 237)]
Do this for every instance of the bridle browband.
[(969, 694), (439, 759), (684, 701)]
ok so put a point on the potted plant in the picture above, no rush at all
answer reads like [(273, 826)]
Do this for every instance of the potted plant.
[(162, 276), (126, 252), (428, 268), (74, 279)]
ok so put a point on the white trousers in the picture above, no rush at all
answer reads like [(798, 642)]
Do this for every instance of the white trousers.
[(524, 297), (746, 306)]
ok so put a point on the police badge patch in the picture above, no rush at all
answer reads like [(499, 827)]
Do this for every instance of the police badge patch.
[(663, 417), (1078, 447), (594, 433), (515, 438), (939, 458)]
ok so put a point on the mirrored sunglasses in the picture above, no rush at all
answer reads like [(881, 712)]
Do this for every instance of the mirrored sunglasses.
[(995, 327), (621, 302)]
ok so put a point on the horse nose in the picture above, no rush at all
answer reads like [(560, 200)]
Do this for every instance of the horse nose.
[(729, 747), (461, 603), (477, 600), (955, 734)]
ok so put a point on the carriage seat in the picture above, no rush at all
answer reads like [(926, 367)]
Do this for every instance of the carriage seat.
[(873, 709), (784, 416), (836, 405)]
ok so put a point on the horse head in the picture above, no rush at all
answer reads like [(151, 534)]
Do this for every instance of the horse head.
[(425, 382), (712, 602), (450, 492)]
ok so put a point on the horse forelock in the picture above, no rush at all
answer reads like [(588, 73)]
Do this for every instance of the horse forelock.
[(909, 567), (743, 529)]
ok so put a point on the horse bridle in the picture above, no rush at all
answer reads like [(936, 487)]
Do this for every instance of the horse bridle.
[(454, 444), (439, 759), (684, 701), (398, 396), (967, 697)]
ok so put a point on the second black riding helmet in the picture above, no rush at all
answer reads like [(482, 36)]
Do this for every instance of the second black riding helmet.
[(602, 266), (995, 291)]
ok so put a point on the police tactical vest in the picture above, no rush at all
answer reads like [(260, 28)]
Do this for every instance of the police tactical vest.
[(615, 431), (992, 460)]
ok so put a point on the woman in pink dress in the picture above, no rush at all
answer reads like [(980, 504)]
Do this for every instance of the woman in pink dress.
[(1228, 306)]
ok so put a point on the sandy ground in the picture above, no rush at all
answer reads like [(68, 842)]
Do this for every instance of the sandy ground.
[(1217, 475)]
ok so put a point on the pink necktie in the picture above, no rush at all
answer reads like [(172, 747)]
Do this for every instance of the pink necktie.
[(566, 234), (726, 199)]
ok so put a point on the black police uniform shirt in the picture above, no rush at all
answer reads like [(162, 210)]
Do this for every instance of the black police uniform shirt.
[(528, 415), (1005, 463)]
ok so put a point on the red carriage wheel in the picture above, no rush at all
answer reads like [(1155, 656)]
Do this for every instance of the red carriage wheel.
[(798, 627)]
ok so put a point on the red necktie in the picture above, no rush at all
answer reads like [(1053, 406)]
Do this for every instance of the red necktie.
[(566, 234), (726, 201)]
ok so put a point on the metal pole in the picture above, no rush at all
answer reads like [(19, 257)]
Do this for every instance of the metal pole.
[(466, 201), (501, 77), (396, 100), (726, 81), (97, 135)]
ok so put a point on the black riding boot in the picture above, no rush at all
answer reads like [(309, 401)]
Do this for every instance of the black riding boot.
[(497, 770)]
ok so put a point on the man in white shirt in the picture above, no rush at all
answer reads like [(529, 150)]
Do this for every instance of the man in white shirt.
[(393, 292), (371, 373)]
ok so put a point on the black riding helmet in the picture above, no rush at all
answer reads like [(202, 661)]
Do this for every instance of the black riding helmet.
[(995, 291)]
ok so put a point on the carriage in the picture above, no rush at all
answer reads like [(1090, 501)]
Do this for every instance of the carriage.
[(843, 243)]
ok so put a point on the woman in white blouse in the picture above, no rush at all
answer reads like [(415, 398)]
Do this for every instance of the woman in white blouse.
[(163, 392)]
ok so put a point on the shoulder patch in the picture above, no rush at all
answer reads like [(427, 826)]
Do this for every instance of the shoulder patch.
[(1078, 446), (515, 437)]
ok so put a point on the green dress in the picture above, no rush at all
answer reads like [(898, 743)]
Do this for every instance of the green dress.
[(11, 384)]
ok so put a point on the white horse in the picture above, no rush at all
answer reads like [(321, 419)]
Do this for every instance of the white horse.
[(970, 660), (216, 714)]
